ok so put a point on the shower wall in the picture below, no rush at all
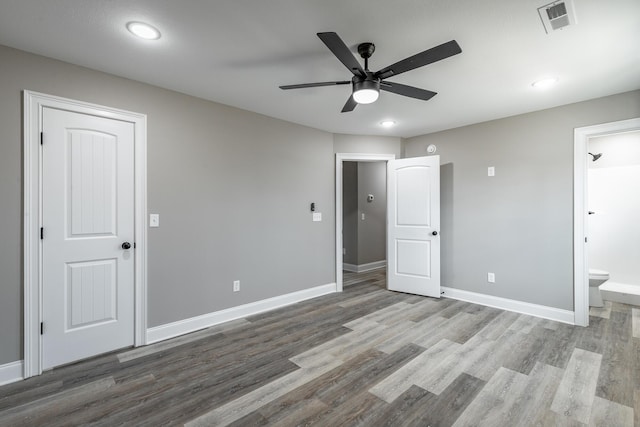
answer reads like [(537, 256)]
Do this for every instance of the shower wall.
[(614, 196)]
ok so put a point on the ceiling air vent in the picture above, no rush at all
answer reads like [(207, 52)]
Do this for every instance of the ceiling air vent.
[(557, 15)]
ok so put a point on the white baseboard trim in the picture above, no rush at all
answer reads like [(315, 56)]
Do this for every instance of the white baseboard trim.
[(350, 267), (551, 313), (181, 327), (11, 372), (364, 267)]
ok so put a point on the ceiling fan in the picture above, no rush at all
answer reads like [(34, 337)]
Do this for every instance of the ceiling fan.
[(366, 85)]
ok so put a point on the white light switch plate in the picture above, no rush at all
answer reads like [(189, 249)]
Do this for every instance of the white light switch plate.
[(154, 220), (317, 216), (491, 171)]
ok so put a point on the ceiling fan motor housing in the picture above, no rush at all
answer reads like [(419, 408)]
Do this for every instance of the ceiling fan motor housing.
[(368, 82)]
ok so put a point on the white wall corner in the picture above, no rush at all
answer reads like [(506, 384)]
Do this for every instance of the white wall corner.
[(11, 372), (551, 313), (181, 327)]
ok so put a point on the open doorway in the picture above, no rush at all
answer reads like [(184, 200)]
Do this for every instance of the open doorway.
[(364, 216), (348, 241), (582, 138)]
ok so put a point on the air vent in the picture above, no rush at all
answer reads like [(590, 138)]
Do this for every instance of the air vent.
[(557, 15)]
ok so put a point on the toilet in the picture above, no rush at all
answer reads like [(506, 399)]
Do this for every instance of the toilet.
[(596, 278)]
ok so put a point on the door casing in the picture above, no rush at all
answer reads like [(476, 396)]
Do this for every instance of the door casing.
[(348, 157), (34, 103), (580, 210)]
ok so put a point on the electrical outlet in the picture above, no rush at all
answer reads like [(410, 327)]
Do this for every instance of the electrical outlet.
[(491, 171), (236, 286), (491, 277)]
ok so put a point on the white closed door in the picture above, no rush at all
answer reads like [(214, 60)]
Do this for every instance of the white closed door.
[(87, 218), (413, 227)]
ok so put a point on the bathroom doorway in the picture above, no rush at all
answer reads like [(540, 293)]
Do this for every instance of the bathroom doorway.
[(587, 143), (613, 201)]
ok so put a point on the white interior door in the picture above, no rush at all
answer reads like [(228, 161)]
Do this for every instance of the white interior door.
[(413, 225), (87, 216)]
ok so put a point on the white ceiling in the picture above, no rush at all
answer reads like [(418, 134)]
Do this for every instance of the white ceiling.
[(237, 52)]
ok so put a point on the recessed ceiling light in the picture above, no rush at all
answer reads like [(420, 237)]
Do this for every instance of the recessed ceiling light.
[(545, 83), (144, 31), (387, 123)]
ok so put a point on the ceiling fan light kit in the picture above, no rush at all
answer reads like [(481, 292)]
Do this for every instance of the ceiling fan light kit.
[(366, 91), (366, 85)]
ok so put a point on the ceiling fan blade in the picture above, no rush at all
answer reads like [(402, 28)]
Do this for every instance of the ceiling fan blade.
[(349, 105), (342, 52), (303, 85), (410, 91), (421, 59)]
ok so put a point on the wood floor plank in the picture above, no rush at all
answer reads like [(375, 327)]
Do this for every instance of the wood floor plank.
[(607, 413), (603, 312), (414, 331), (447, 330), (618, 358), (441, 375), (501, 323), (525, 323), (576, 391), (178, 341), (402, 379), (491, 406), (103, 404), (251, 401), (293, 415), (439, 410), (46, 408), (537, 395), (636, 408), (636, 322)]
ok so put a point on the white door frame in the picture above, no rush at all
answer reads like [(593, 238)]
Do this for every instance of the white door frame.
[(32, 120), (580, 208), (348, 157)]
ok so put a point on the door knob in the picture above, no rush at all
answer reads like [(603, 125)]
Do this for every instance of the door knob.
[(126, 245), (435, 233)]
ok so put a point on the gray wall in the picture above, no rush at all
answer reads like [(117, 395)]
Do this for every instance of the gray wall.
[(372, 232), (232, 189), (350, 212), (364, 241), (518, 224)]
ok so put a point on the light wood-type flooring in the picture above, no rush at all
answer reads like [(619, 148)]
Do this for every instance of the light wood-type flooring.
[(366, 357)]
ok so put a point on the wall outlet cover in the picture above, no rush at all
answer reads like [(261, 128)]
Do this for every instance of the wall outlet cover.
[(317, 216), (491, 277), (154, 220)]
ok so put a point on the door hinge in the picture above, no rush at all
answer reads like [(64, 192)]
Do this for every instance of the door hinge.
[(41, 328), (41, 138), (41, 233)]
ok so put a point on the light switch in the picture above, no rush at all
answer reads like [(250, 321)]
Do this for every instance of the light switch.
[(362, 217), (317, 216), (154, 220), (491, 171)]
